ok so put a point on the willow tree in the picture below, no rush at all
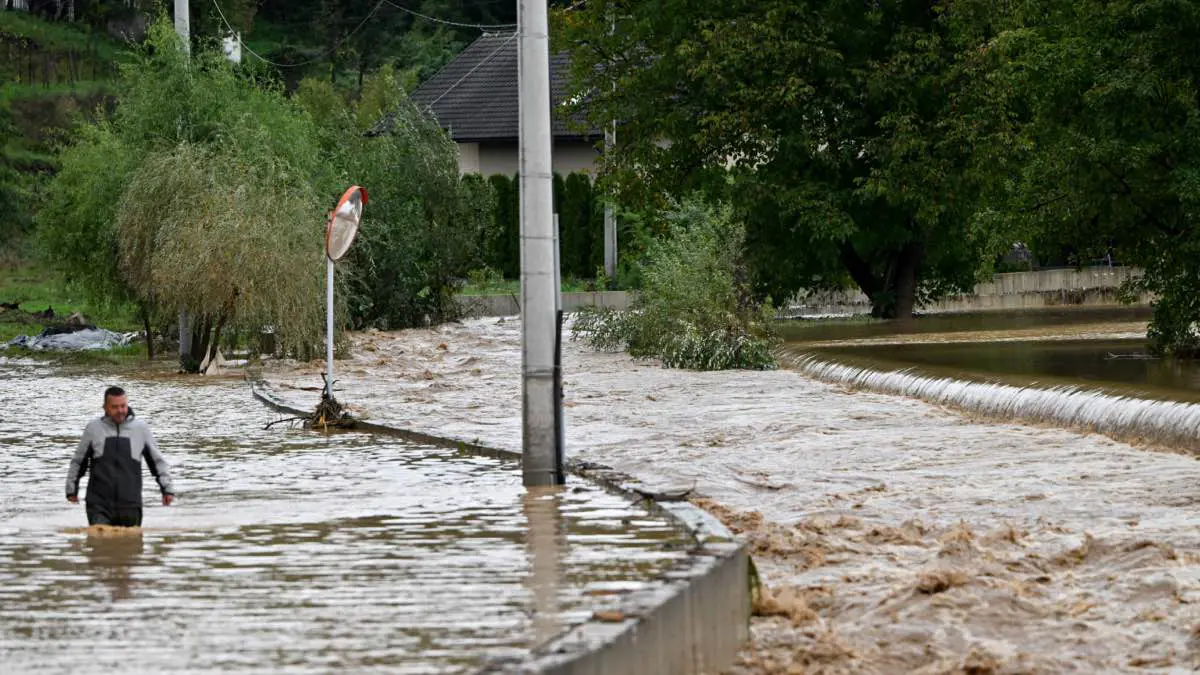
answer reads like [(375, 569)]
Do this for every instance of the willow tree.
[(179, 197), (231, 242)]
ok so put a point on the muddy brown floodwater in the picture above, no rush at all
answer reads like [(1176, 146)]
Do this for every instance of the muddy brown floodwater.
[(895, 536), (289, 551)]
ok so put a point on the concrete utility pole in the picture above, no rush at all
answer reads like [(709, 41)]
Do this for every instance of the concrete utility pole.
[(182, 25), (541, 461)]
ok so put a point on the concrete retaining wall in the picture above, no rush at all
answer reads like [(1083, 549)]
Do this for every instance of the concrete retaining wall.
[(692, 624), (510, 305), (1091, 287)]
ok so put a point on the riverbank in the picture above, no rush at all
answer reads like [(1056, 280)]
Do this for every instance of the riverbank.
[(896, 536)]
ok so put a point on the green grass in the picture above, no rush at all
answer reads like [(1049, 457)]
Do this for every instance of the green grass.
[(36, 288), (16, 91), (21, 157)]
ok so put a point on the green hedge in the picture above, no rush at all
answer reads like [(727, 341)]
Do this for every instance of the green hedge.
[(580, 221)]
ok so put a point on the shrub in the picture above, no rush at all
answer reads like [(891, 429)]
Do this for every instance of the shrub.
[(695, 309)]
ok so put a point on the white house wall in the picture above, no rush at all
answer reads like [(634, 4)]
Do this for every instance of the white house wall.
[(468, 158), (575, 157), (489, 159)]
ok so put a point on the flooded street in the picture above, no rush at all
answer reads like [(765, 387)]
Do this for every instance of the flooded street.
[(896, 536), (289, 551)]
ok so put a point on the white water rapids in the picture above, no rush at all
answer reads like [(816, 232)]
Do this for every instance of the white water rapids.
[(1125, 417)]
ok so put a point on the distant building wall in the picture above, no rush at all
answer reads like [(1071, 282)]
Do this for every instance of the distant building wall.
[(468, 158), (491, 158)]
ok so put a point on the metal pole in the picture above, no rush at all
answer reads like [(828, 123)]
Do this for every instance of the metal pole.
[(185, 329), (557, 266), (610, 218), (328, 327), (560, 434), (538, 309)]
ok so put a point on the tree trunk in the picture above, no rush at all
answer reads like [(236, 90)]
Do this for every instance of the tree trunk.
[(905, 280), (201, 330), (215, 343), (149, 335), (71, 11), (860, 271), (893, 296)]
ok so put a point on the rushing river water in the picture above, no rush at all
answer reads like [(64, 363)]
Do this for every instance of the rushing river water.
[(290, 551)]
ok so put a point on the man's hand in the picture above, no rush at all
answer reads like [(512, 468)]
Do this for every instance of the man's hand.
[(74, 499), (168, 500)]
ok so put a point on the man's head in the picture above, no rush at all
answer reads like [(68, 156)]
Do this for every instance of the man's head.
[(116, 405)]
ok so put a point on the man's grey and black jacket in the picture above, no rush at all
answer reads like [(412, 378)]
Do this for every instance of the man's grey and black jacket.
[(113, 453)]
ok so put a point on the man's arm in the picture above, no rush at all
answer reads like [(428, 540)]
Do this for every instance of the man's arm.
[(159, 467), (79, 466)]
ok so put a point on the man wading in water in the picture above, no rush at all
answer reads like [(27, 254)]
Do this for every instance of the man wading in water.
[(113, 447)]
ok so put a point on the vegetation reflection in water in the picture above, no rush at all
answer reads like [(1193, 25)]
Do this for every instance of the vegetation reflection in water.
[(293, 552)]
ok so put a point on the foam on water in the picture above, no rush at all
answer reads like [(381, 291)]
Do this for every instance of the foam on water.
[(1126, 417)]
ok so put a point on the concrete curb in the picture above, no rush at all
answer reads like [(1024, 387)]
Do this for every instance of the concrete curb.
[(695, 623)]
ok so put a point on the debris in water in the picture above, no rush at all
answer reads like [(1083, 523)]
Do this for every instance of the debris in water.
[(940, 579), (788, 601), (330, 413), (105, 531)]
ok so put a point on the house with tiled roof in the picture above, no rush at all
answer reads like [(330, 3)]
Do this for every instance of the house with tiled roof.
[(475, 98)]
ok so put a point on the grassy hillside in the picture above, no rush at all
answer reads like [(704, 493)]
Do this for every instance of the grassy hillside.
[(35, 289), (51, 74)]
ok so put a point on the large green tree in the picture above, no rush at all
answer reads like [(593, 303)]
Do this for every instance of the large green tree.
[(1101, 107), (834, 126)]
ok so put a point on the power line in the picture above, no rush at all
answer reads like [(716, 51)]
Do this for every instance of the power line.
[(341, 42), (477, 26), (487, 58), (473, 69)]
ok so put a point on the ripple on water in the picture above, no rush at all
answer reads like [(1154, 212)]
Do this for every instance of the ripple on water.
[(290, 551)]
